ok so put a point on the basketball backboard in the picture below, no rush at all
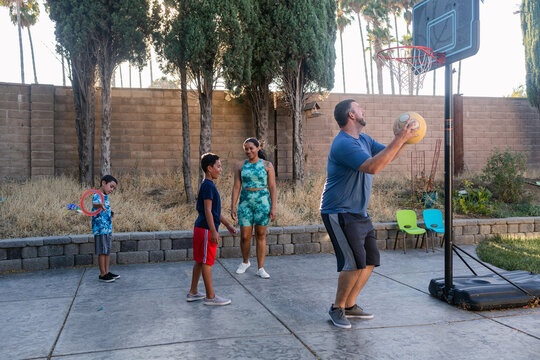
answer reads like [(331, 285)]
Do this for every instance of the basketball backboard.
[(450, 27)]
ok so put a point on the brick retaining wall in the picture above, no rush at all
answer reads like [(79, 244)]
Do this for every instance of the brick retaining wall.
[(51, 252)]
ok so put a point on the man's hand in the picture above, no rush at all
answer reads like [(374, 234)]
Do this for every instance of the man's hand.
[(407, 131)]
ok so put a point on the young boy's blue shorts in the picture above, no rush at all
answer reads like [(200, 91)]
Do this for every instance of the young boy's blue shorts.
[(102, 244)]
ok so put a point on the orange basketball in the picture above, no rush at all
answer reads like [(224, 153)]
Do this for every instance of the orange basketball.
[(418, 124)]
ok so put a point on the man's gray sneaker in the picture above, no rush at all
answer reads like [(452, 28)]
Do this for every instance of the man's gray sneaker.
[(356, 312), (337, 315)]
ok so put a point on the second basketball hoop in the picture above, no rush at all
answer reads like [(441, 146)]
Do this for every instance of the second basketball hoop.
[(409, 64)]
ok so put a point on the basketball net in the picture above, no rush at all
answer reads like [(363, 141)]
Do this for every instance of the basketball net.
[(409, 64)]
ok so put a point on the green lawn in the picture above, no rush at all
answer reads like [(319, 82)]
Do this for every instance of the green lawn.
[(511, 253)]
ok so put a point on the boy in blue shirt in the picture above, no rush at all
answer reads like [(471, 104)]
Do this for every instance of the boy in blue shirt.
[(205, 232), (102, 228)]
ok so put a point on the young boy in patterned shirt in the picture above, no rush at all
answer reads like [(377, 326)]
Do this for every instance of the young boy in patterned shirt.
[(102, 228)]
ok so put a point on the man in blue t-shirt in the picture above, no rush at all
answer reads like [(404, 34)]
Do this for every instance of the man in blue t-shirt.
[(353, 160)]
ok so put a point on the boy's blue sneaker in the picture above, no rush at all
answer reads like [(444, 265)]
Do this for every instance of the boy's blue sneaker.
[(106, 278), (217, 301), (114, 276), (194, 297)]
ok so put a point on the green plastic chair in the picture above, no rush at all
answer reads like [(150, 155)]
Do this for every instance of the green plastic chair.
[(406, 220)]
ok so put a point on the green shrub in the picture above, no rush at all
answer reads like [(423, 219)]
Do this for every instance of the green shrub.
[(504, 175), (472, 199)]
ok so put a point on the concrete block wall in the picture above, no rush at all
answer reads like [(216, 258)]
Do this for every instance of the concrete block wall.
[(14, 131), (146, 129), (37, 133), (39, 253)]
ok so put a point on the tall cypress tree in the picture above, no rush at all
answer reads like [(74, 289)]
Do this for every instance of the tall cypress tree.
[(530, 22), (75, 30), (122, 35), (215, 45), (308, 29)]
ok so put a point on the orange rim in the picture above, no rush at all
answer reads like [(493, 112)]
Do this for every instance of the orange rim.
[(387, 54)]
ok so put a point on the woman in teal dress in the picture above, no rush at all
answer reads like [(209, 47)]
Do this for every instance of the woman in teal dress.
[(255, 184)]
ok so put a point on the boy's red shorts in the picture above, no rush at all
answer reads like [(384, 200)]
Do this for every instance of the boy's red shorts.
[(204, 250)]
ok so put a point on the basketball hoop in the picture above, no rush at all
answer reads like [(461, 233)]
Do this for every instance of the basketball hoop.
[(409, 64)]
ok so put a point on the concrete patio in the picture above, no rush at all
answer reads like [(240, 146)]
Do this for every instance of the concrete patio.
[(68, 314)]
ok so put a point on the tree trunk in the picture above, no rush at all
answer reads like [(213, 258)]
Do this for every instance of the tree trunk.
[(342, 61), (259, 99), (363, 52), (371, 63), (205, 104), (397, 44), (32, 52), (186, 143), (84, 97), (298, 143), (297, 101), (378, 47), (121, 78), (106, 71), (20, 40), (151, 71), (63, 71)]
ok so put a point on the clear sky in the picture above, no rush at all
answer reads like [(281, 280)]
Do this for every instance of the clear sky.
[(496, 69)]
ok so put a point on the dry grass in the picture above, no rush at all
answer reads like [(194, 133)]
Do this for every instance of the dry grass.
[(157, 202)]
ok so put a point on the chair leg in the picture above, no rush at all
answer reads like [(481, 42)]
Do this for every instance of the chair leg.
[(425, 240), (442, 241), (432, 243), (396, 239), (404, 246)]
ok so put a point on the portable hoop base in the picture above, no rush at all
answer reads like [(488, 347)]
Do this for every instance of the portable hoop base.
[(488, 292)]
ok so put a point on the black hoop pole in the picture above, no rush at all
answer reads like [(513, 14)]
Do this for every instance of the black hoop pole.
[(448, 181)]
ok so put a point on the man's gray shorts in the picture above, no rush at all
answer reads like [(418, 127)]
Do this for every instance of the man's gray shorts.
[(102, 244), (354, 240)]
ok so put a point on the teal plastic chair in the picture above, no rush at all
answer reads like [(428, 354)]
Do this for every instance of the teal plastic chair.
[(433, 219), (406, 220)]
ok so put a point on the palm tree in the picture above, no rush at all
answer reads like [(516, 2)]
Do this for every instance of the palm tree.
[(27, 16), (357, 6), (342, 21), (377, 15), (396, 6), (16, 5)]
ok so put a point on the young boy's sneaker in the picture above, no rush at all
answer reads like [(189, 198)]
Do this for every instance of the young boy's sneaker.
[(114, 276), (194, 297), (243, 267), (217, 301), (357, 312), (106, 278), (337, 315), (262, 273)]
